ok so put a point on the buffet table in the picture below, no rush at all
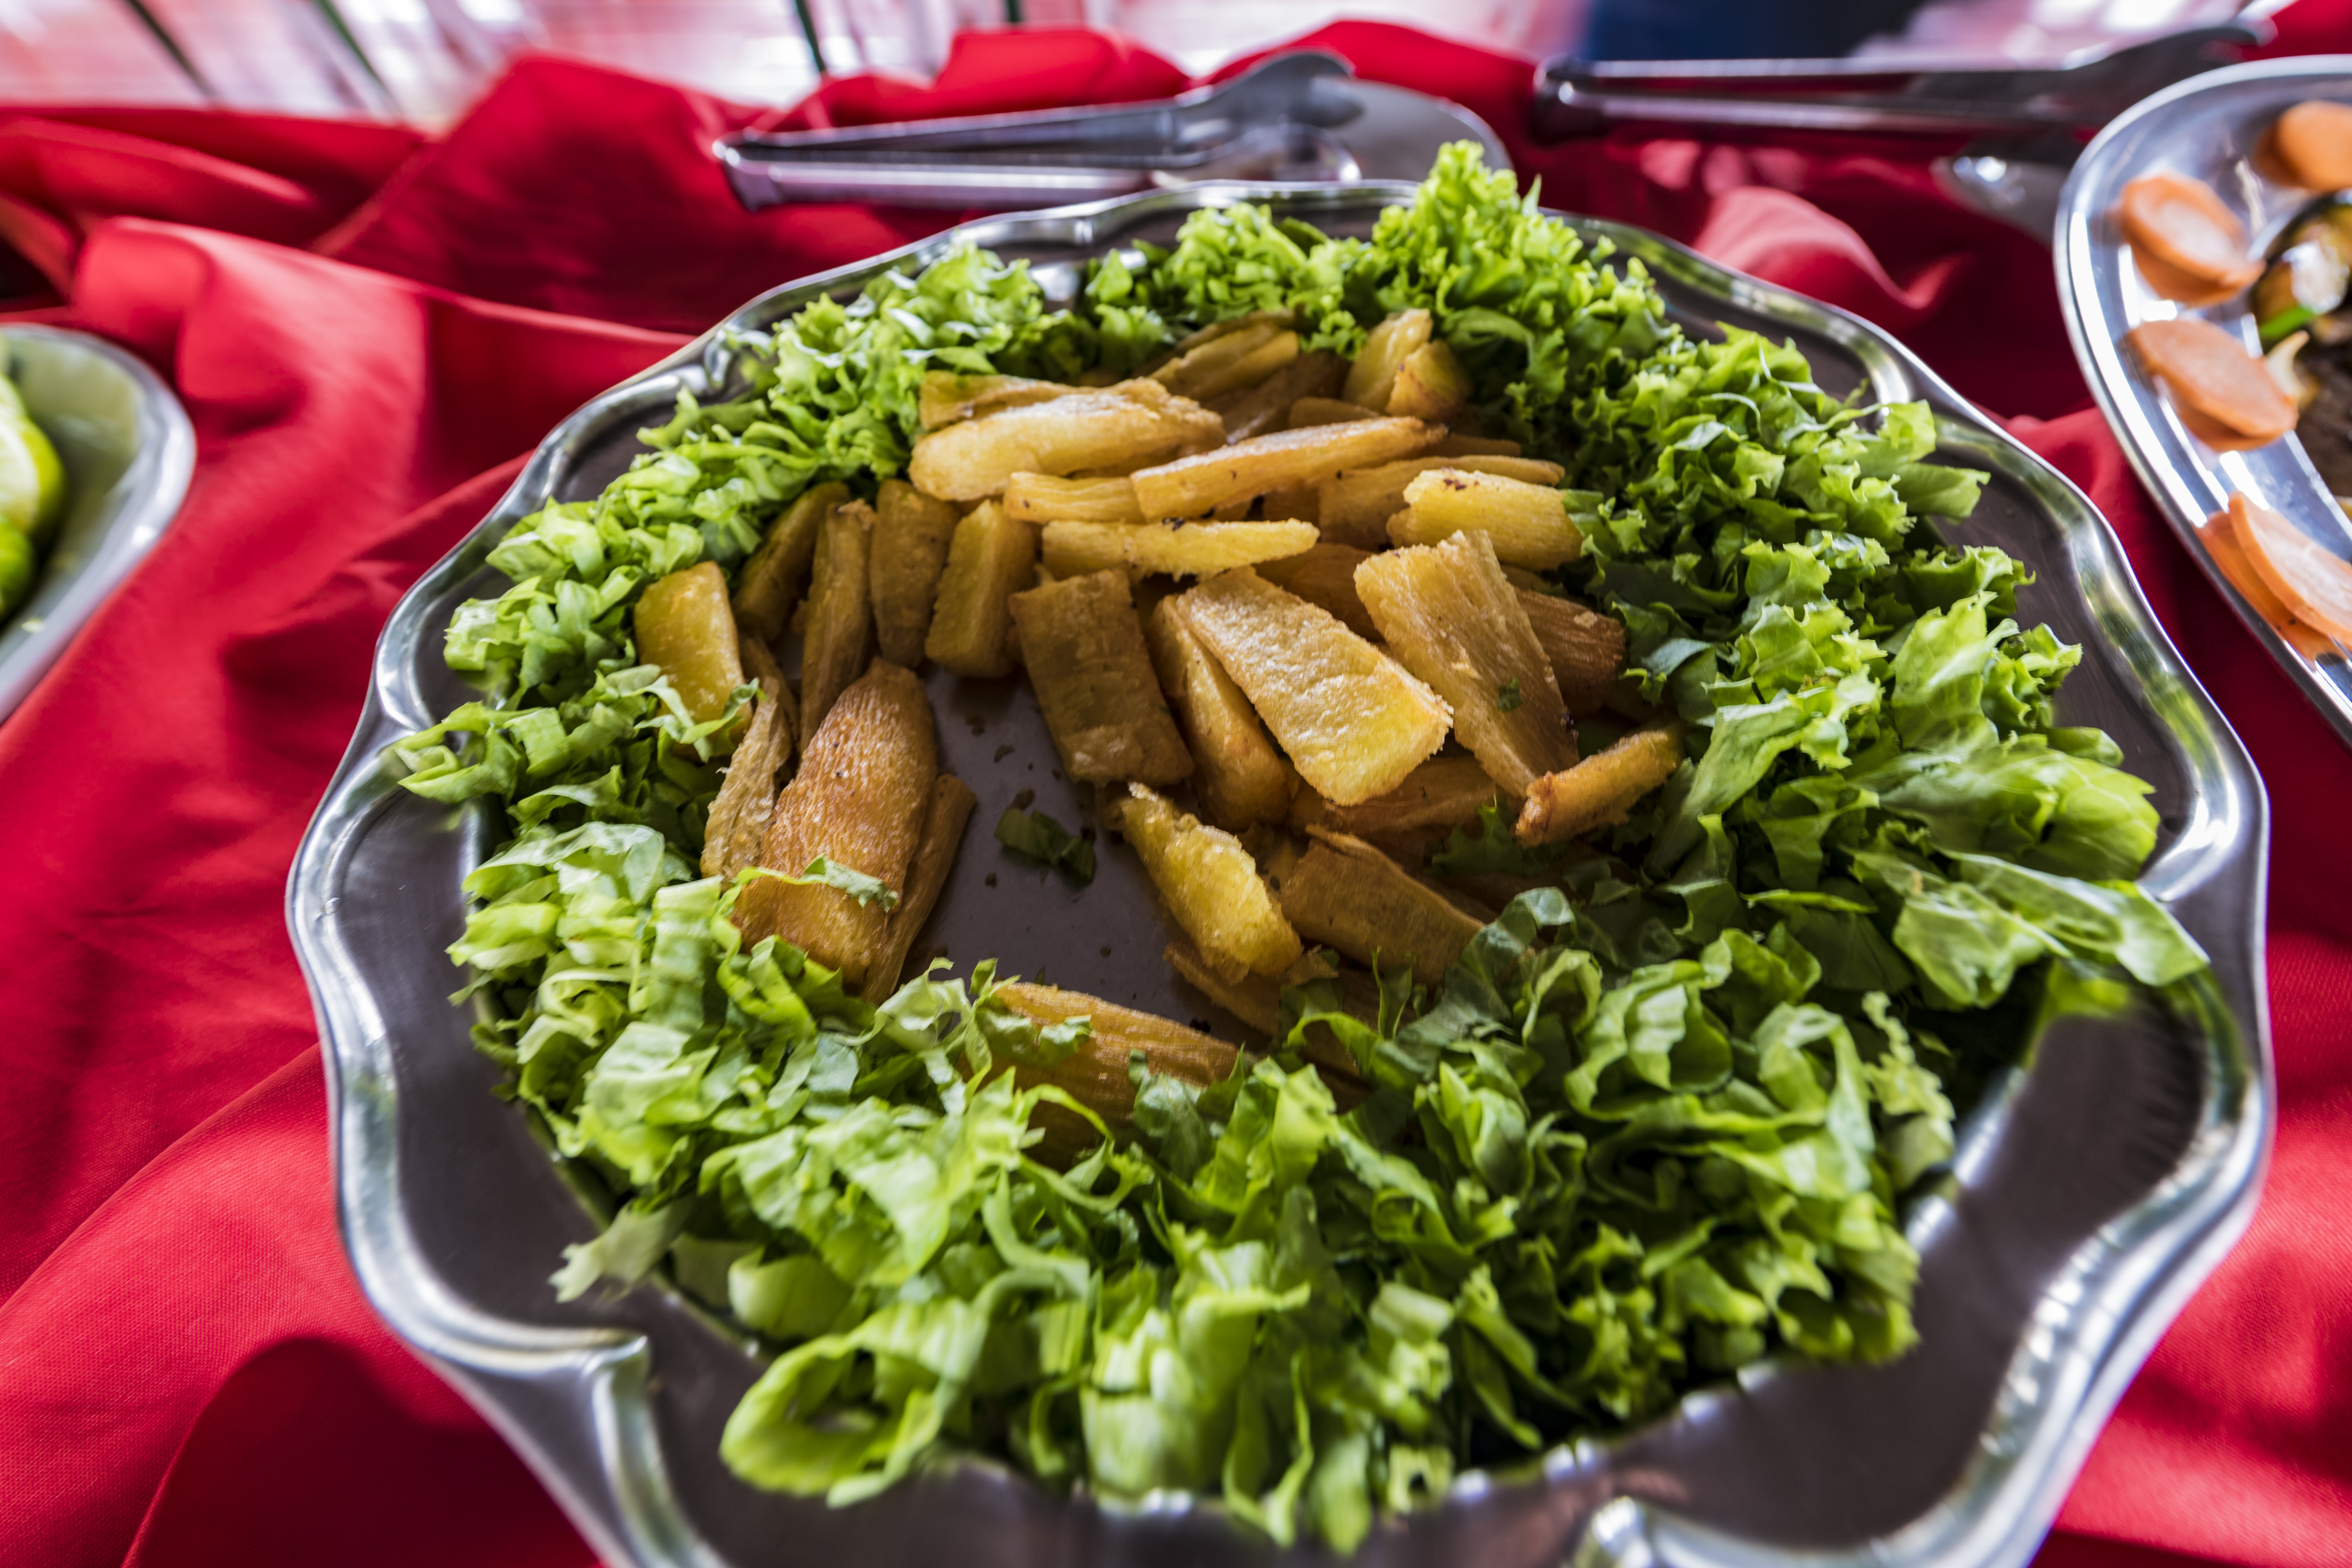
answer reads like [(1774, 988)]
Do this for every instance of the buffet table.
[(369, 330)]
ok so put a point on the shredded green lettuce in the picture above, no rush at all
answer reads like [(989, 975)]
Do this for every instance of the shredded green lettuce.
[(1661, 1120)]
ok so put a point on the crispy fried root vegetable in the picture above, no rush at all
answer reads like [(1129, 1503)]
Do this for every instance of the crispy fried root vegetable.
[(840, 612), (1431, 385), (1240, 778), (1309, 412), (1095, 1073), (1210, 883), (1353, 721), (2310, 580), (1586, 649), (1181, 550), (1231, 363), (1373, 377), (768, 586), (2221, 537), (1346, 894), (1256, 1001), (1043, 499), (1257, 322), (1266, 407), (990, 557), (912, 532), (1354, 507), (1325, 577), (2212, 376), (859, 801), (738, 819), (946, 397), (1528, 523), (1601, 788), (1453, 619), (1198, 484), (1082, 647), (685, 626), (2181, 223), (2310, 146), (1457, 444), (1443, 794), (926, 877), (1134, 420)]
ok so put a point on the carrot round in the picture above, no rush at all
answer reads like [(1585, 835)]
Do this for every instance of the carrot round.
[(2210, 374), (2181, 224), (2220, 536), (2313, 583), (2171, 284), (2311, 146)]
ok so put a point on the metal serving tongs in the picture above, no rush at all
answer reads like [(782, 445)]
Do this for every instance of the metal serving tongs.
[(1271, 124), (1875, 94)]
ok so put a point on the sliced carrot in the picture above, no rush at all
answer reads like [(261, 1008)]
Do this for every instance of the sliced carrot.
[(2171, 284), (2221, 537), (2314, 585), (2211, 373), (2311, 146), (2181, 223), (2219, 436)]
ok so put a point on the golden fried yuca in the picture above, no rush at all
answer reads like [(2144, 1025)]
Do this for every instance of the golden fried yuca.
[(840, 611), (1309, 412), (738, 822), (1354, 507), (1266, 407), (1601, 788), (1325, 577), (1443, 794), (1082, 647), (927, 876), (859, 801), (1198, 484), (1210, 883), (1256, 1001), (1183, 550), (1587, 649), (1239, 776), (1352, 721), (1095, 1073), (1431, 385), (1135, 419), (1452, 619), (769, 585), (1042, 498), (1457, 444), (946, 397), (684, 624), (1346, 894), (1372, 378), (912, 533), (1528, 523), (990, 557), (1230, 363)]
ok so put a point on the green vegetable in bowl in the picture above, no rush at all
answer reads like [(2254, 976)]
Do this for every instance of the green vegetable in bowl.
[(1662, 1117)]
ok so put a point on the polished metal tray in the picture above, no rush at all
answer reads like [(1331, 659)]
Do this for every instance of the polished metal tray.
[(128, 451), (2206, 127), (2093, 1191)]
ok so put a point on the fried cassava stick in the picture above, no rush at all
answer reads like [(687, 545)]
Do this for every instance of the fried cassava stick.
[(1353, 721), (1346, 894), (912, 533), (1095, 1073), (1601, 788), (1239, 776), (1078, 430), (859, 801), (990, 558), (1198, 484), (1528, 523), (926, 877), (769, 585), (840, 611), (1210, 883), (684, 624), (1587, 649), (1185, 549), (1084, 650), (1443, 792), (747, 795), (1354, 507)]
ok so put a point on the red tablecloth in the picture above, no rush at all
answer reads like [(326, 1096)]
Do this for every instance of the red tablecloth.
[(368, 332)]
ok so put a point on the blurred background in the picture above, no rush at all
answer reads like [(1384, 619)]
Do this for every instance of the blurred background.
[(423, 61)]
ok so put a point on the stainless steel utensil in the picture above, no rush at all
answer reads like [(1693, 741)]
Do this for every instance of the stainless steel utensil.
[(2093, 1191), (2206, 127), (128, 451), (1580, 97), (1298, 118)]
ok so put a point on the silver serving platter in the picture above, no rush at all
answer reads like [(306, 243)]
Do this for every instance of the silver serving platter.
[(2205, 127), (2093, 1191), (128, 451)]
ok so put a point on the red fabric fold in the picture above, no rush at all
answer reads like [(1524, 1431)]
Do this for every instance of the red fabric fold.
[(369, 330)]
